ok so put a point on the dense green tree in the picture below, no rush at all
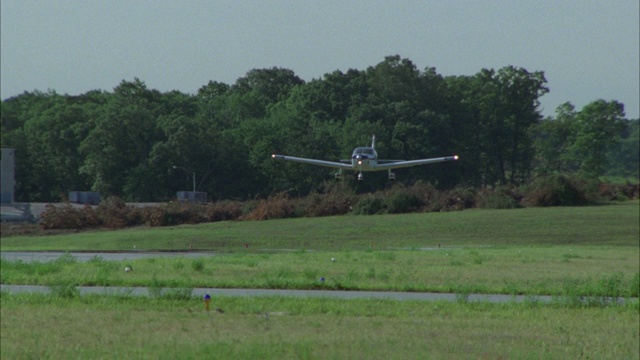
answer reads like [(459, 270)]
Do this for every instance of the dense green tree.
[(522, 90), (16, 113), (54, 137), (53, 126), (623, 159), (252, 95), (552, 139), (12, 135), (117, 148), (127, 142), (501, 107), (584, 141), (597, 127)]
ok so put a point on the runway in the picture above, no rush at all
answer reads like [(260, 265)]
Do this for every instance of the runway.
[(333, 294), (44, 256)]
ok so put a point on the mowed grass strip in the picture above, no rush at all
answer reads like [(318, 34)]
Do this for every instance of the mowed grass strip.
[(47, 327), (546, 270), (613, 225)]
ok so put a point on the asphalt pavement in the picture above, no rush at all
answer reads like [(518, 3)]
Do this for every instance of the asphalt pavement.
[(333, 294), (43, 256)]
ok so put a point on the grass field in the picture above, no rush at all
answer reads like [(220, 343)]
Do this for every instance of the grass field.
[(45, 327), (613, 225), (560, 270), (569, 252), (556, 251)]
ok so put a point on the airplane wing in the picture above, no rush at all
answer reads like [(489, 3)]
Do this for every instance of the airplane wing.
[(330, 164), (404, 164)]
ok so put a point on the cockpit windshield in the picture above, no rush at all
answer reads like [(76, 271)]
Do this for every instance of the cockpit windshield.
[(364, 150)]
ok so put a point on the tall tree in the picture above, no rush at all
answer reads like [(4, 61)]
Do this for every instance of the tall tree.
[(17, 112), (552, 139), (54, 138), (597, 127), (252, 95), (504, 106), (623, 159), (117, 148)]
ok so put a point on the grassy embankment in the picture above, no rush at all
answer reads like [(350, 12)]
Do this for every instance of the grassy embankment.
[(563, 251), (611, 225)]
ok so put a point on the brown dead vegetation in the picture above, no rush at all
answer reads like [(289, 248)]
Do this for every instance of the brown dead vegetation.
[(114, 213)]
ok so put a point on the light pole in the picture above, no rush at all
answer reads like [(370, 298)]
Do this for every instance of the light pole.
[(193, 172)]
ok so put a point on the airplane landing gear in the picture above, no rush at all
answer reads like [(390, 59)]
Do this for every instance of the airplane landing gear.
[(392, 176), (360, 177)]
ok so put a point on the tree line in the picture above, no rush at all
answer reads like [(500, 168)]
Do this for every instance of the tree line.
[(144, 145)]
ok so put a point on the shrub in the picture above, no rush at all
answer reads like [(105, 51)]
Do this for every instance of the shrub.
[(223, 210), (618, 192), (115, 214), (369, 205), (499, 198), (279, 206), (459, 198), (335, 201), (153, 215), (174, 213), (184, 212), (90, 217), (63, 216), (556, 190), (426, 193), (401, 199)]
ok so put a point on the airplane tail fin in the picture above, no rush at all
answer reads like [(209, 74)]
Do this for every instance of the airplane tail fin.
[(373, 141)]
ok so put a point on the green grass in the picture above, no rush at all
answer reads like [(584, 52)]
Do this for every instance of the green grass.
[(557, 251), (612, 225), (568, 252), (583, 251), (50, 327), (558, 270)]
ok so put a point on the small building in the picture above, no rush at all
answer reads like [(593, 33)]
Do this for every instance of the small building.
[(192, 196), (8, 175), (84, 197)]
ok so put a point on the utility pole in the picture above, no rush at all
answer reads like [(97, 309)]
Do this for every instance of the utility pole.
[(193, 175)]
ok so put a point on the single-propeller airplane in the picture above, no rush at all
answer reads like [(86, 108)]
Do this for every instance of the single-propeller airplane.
[(366, 159)]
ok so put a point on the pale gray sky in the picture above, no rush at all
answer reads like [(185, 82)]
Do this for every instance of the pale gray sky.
[(587, 49)]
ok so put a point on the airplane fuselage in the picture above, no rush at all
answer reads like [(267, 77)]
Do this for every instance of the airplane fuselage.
[(364, 159)]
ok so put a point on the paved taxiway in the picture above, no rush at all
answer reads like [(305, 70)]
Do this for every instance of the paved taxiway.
[(335, 294), (44, 256), (199, 292)]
